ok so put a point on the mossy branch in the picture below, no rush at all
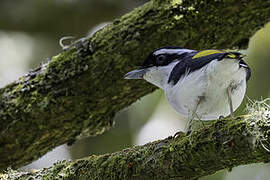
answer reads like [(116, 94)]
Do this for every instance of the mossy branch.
[(223, 145), (78, 91)]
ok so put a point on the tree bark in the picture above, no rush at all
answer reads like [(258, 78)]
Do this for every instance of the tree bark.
[(77, 92), (224, 144)]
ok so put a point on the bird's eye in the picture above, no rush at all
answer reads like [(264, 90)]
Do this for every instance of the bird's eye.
[(161, 59)]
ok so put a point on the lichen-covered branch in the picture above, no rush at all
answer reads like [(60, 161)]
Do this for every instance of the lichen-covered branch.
[(78, 91), (225, 144)]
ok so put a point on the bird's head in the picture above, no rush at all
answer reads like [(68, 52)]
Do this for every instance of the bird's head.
[(165, 55)]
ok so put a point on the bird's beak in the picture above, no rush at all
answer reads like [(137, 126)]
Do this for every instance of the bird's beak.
[(135, 74)]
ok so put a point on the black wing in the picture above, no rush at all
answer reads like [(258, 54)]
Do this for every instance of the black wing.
[(188, 65), (243, 64)]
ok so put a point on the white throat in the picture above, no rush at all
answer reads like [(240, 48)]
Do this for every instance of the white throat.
[(159, 75)]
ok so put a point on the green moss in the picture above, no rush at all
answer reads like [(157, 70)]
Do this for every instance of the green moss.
[(80, 89), (176, 3), (182, 157)]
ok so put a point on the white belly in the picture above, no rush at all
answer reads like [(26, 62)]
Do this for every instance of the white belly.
[(208, 85)]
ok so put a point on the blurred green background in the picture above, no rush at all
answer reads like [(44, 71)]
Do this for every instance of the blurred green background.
[(29, 33)]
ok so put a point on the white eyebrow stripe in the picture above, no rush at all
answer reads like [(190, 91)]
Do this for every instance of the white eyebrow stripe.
[(172, 51)]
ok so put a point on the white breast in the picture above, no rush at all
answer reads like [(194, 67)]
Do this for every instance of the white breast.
[(210, 84)]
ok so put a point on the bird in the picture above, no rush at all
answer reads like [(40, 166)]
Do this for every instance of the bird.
[(199, 85)]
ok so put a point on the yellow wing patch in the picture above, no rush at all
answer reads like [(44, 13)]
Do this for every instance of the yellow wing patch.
[(206, 53), (232, 56)]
